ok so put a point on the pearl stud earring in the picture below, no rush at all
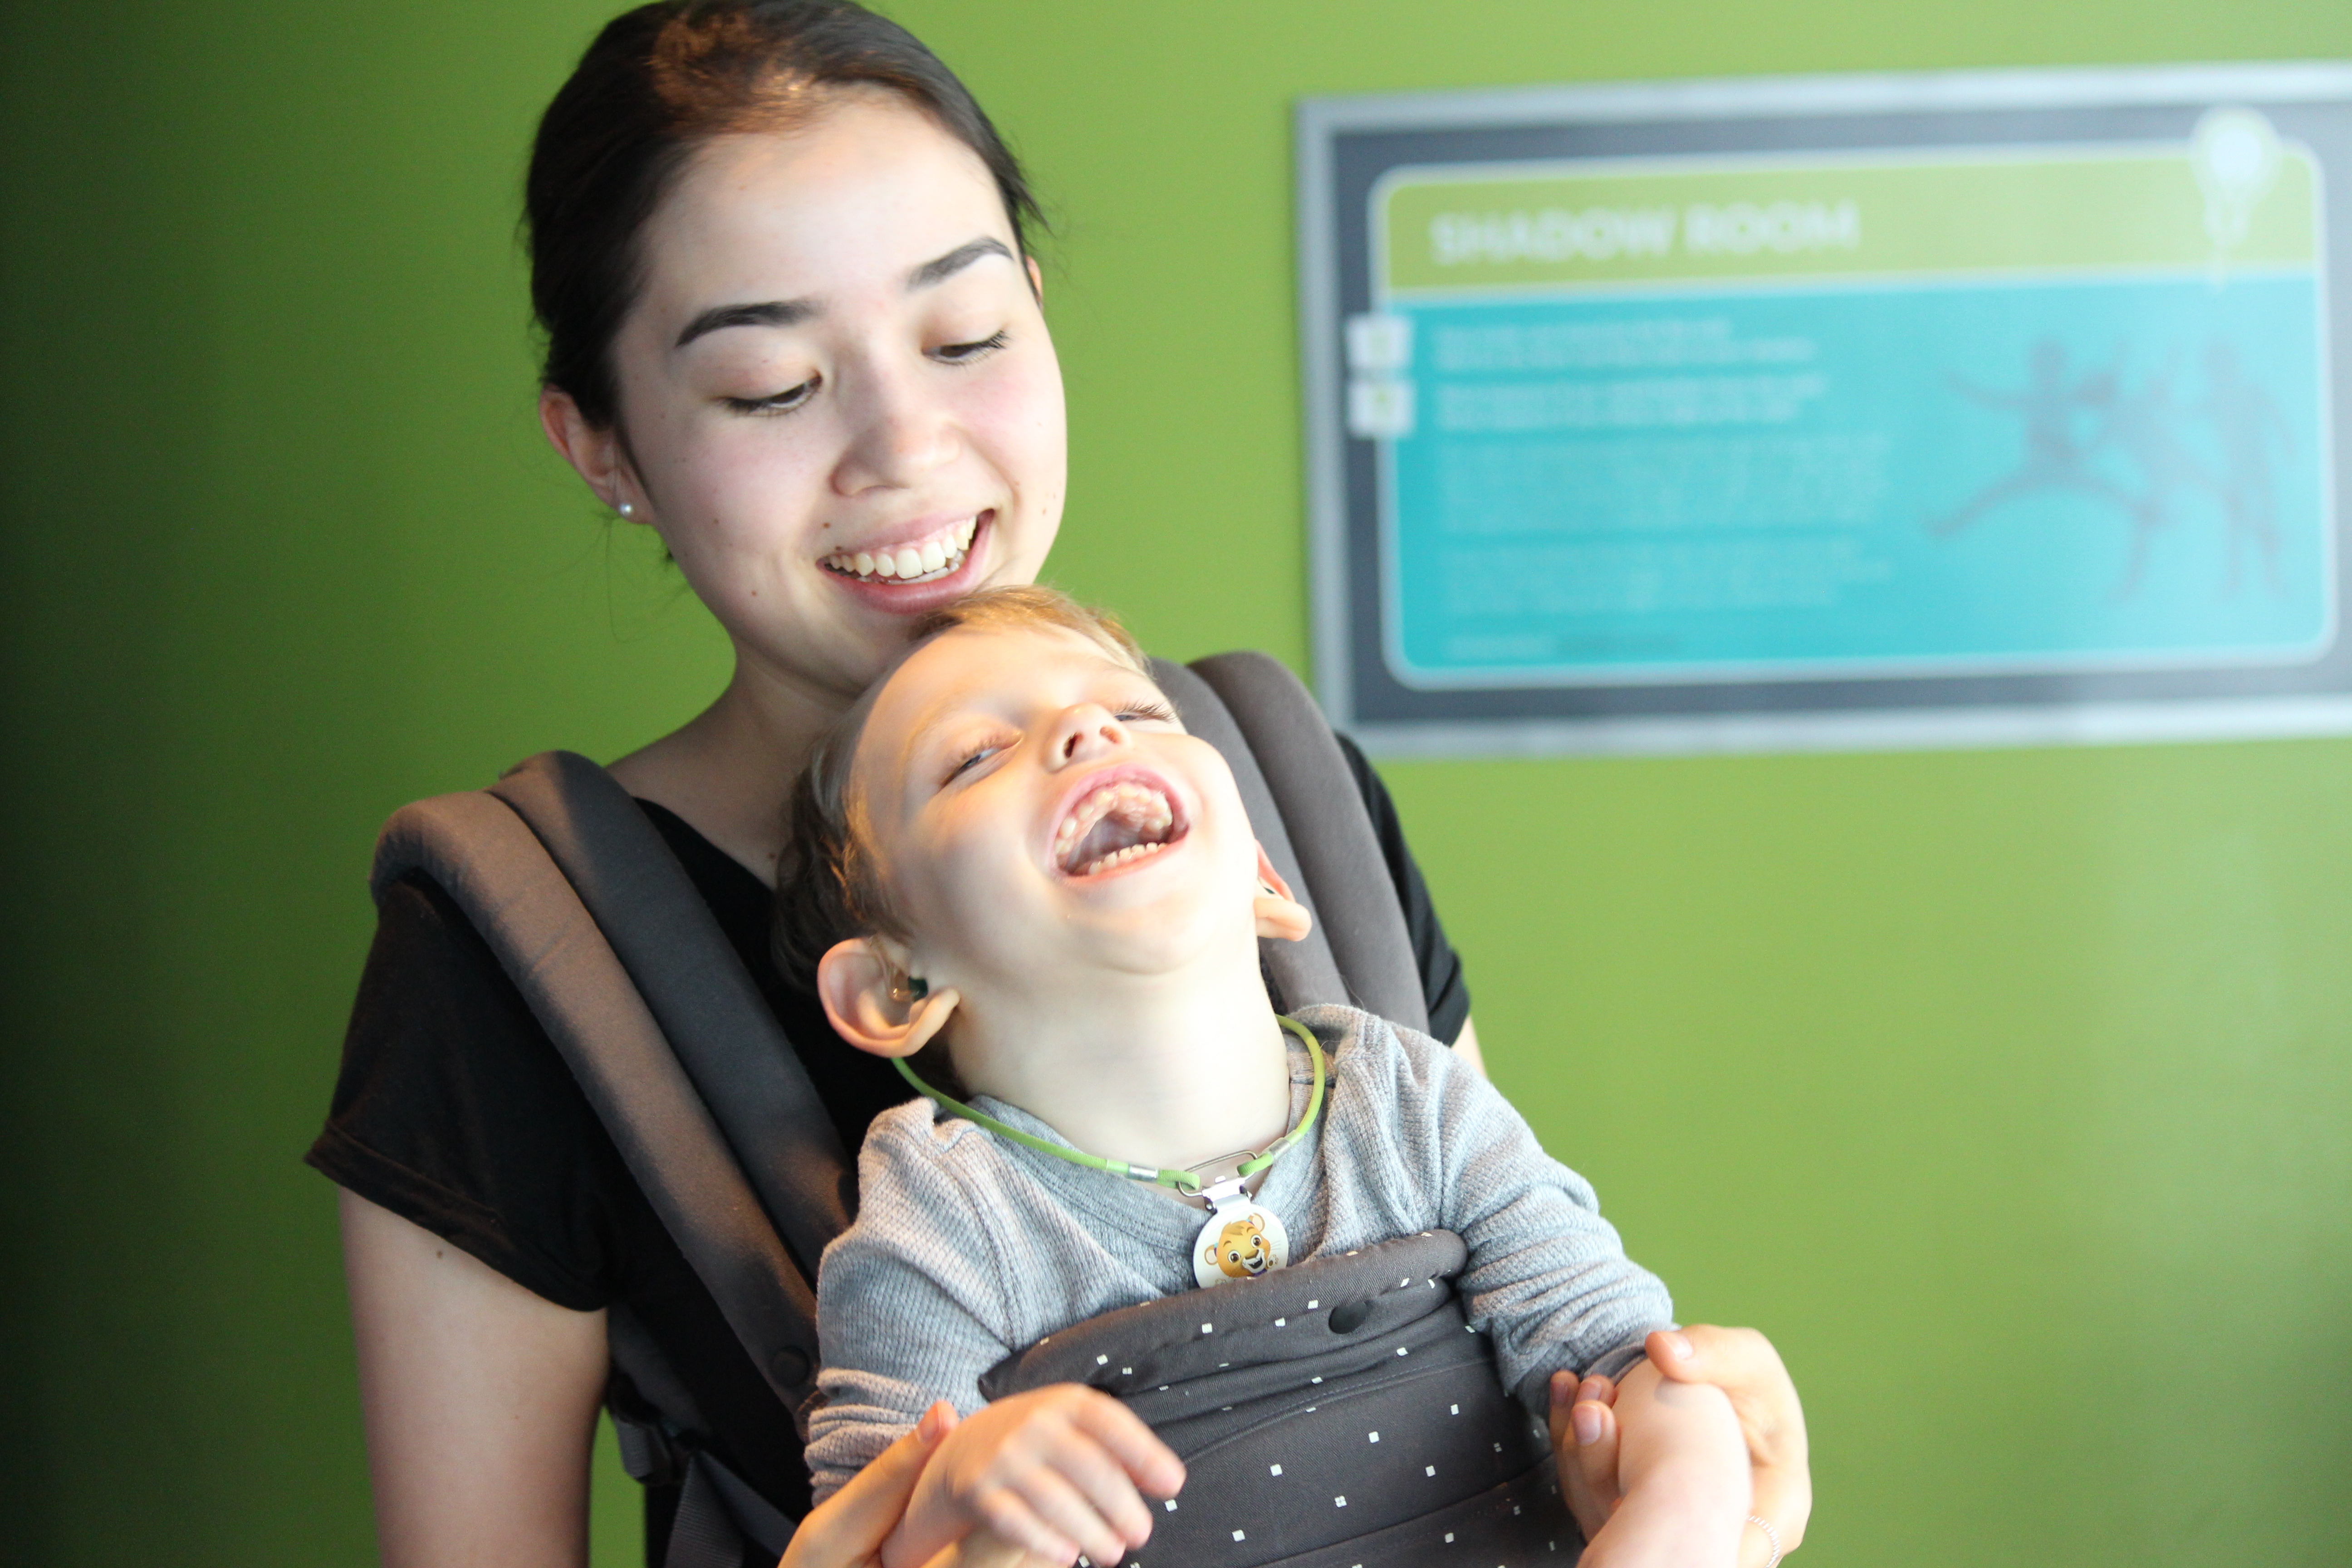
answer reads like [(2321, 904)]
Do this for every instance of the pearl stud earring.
[(627, 508)]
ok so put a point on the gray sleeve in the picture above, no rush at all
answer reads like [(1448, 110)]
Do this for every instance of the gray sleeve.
[(1548, 1278), (917, 1286)]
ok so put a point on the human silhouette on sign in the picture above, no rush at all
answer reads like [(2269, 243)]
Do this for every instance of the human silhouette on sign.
[(2144, 425), (2089, 434), (2245, 422), (2055, 458)]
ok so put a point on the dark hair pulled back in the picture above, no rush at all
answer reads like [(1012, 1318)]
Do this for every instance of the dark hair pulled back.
[(658, 83)]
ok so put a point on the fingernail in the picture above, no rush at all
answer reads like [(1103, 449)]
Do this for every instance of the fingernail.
[(1592, 1388), (934, 1424), (1587, 1422), (1563, 1388), (1680, 1347)]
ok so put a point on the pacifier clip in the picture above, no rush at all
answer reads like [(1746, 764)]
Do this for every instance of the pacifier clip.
[(1242, 1238)]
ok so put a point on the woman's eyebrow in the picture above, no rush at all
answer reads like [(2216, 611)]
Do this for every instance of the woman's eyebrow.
[(767, 313), (940, 269), (792, 313)]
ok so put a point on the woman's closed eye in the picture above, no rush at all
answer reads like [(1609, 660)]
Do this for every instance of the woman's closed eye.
[(783, 401), (979, 348), (794, 398)]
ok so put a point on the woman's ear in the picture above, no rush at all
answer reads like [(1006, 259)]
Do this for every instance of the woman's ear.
[(1278, 914), (594, 453), (858, 982)]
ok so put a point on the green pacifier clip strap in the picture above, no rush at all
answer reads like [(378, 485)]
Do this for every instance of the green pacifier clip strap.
[(1184, 1182)]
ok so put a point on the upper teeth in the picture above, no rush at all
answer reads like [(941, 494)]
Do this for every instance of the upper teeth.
[(1140, 805), (941, 553)]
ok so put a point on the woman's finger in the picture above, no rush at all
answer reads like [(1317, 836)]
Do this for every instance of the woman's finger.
[(1743, 1364), (1784, 1494), (850, 1526)]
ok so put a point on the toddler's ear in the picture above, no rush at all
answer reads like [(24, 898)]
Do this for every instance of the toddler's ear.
[(1278, 914), (856, 981)]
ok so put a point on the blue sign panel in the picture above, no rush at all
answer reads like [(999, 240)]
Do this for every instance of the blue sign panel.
[(1883, 411)]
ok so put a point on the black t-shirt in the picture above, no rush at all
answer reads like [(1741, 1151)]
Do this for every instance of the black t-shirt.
[(454, 1111)]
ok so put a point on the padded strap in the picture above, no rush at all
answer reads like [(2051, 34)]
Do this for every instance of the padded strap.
[(1304, 973), (1356, 901), (707, 1004), (490, 862), (720, 1520)]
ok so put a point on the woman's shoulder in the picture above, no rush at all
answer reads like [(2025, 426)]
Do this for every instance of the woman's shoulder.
[(452, 1109)]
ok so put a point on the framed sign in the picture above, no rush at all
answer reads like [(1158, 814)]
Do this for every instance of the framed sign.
[(1884, 411)]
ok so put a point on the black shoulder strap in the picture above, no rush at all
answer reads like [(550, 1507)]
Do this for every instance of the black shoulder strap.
[(1331, 833), (1304, 973), (707, 1004), (623, 965)]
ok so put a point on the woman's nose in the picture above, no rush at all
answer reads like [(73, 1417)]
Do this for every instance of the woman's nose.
[(898, 434), (1083, 735)]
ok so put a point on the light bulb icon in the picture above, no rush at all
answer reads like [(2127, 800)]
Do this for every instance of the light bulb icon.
[(2235, 153)]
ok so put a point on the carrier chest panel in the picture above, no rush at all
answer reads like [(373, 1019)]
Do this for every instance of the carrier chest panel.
[(1338, 1414)]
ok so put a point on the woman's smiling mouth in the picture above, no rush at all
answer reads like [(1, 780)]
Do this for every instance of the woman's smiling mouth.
[(920, 561)]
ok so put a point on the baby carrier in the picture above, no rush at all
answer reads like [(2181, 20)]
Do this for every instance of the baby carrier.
[(1337, 1413)]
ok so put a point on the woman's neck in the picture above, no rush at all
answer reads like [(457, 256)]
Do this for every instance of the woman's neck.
[(729, 769)]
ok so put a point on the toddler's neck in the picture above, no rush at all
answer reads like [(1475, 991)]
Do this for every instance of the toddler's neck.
[(1168, 1070)]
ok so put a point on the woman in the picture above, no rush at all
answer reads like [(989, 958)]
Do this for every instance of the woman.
[(793, 325)]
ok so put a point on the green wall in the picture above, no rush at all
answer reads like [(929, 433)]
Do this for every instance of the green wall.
[(2007, 1089)]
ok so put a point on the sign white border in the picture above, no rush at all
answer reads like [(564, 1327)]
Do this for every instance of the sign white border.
[(1321, 118)]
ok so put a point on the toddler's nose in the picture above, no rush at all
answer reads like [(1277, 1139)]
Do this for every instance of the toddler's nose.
[(1087, 732)]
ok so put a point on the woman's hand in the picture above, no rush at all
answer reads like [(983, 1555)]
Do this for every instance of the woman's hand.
[(1053, 1472), (847, 1529), (1740, 1362)]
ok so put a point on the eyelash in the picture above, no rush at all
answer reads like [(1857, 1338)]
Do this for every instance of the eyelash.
[(785, 402), (964, 354), (978, 756), (794, 398), (1159, 712)]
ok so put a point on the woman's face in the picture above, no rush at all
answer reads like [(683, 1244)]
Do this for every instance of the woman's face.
[(838, 402)]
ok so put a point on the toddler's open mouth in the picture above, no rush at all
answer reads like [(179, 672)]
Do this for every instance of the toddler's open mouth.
[(1115, 825)]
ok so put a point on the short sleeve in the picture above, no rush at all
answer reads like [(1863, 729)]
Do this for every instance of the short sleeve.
[(454, 1112), (1441, 983)]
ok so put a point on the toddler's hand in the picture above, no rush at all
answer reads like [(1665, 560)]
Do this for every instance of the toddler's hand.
[(1584, 1443), (1682, 1470), (1057, 1471)]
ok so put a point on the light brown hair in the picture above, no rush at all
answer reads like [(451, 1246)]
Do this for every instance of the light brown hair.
[(828, 887)]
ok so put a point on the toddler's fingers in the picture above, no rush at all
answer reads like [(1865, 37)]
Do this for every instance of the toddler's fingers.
[(1584, 1436), (1136, 1446), (1065, 1510), (1007, 1514), (1098, 1477)]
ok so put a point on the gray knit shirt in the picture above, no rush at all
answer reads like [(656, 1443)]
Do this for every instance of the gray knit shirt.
[(969, 1247)]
